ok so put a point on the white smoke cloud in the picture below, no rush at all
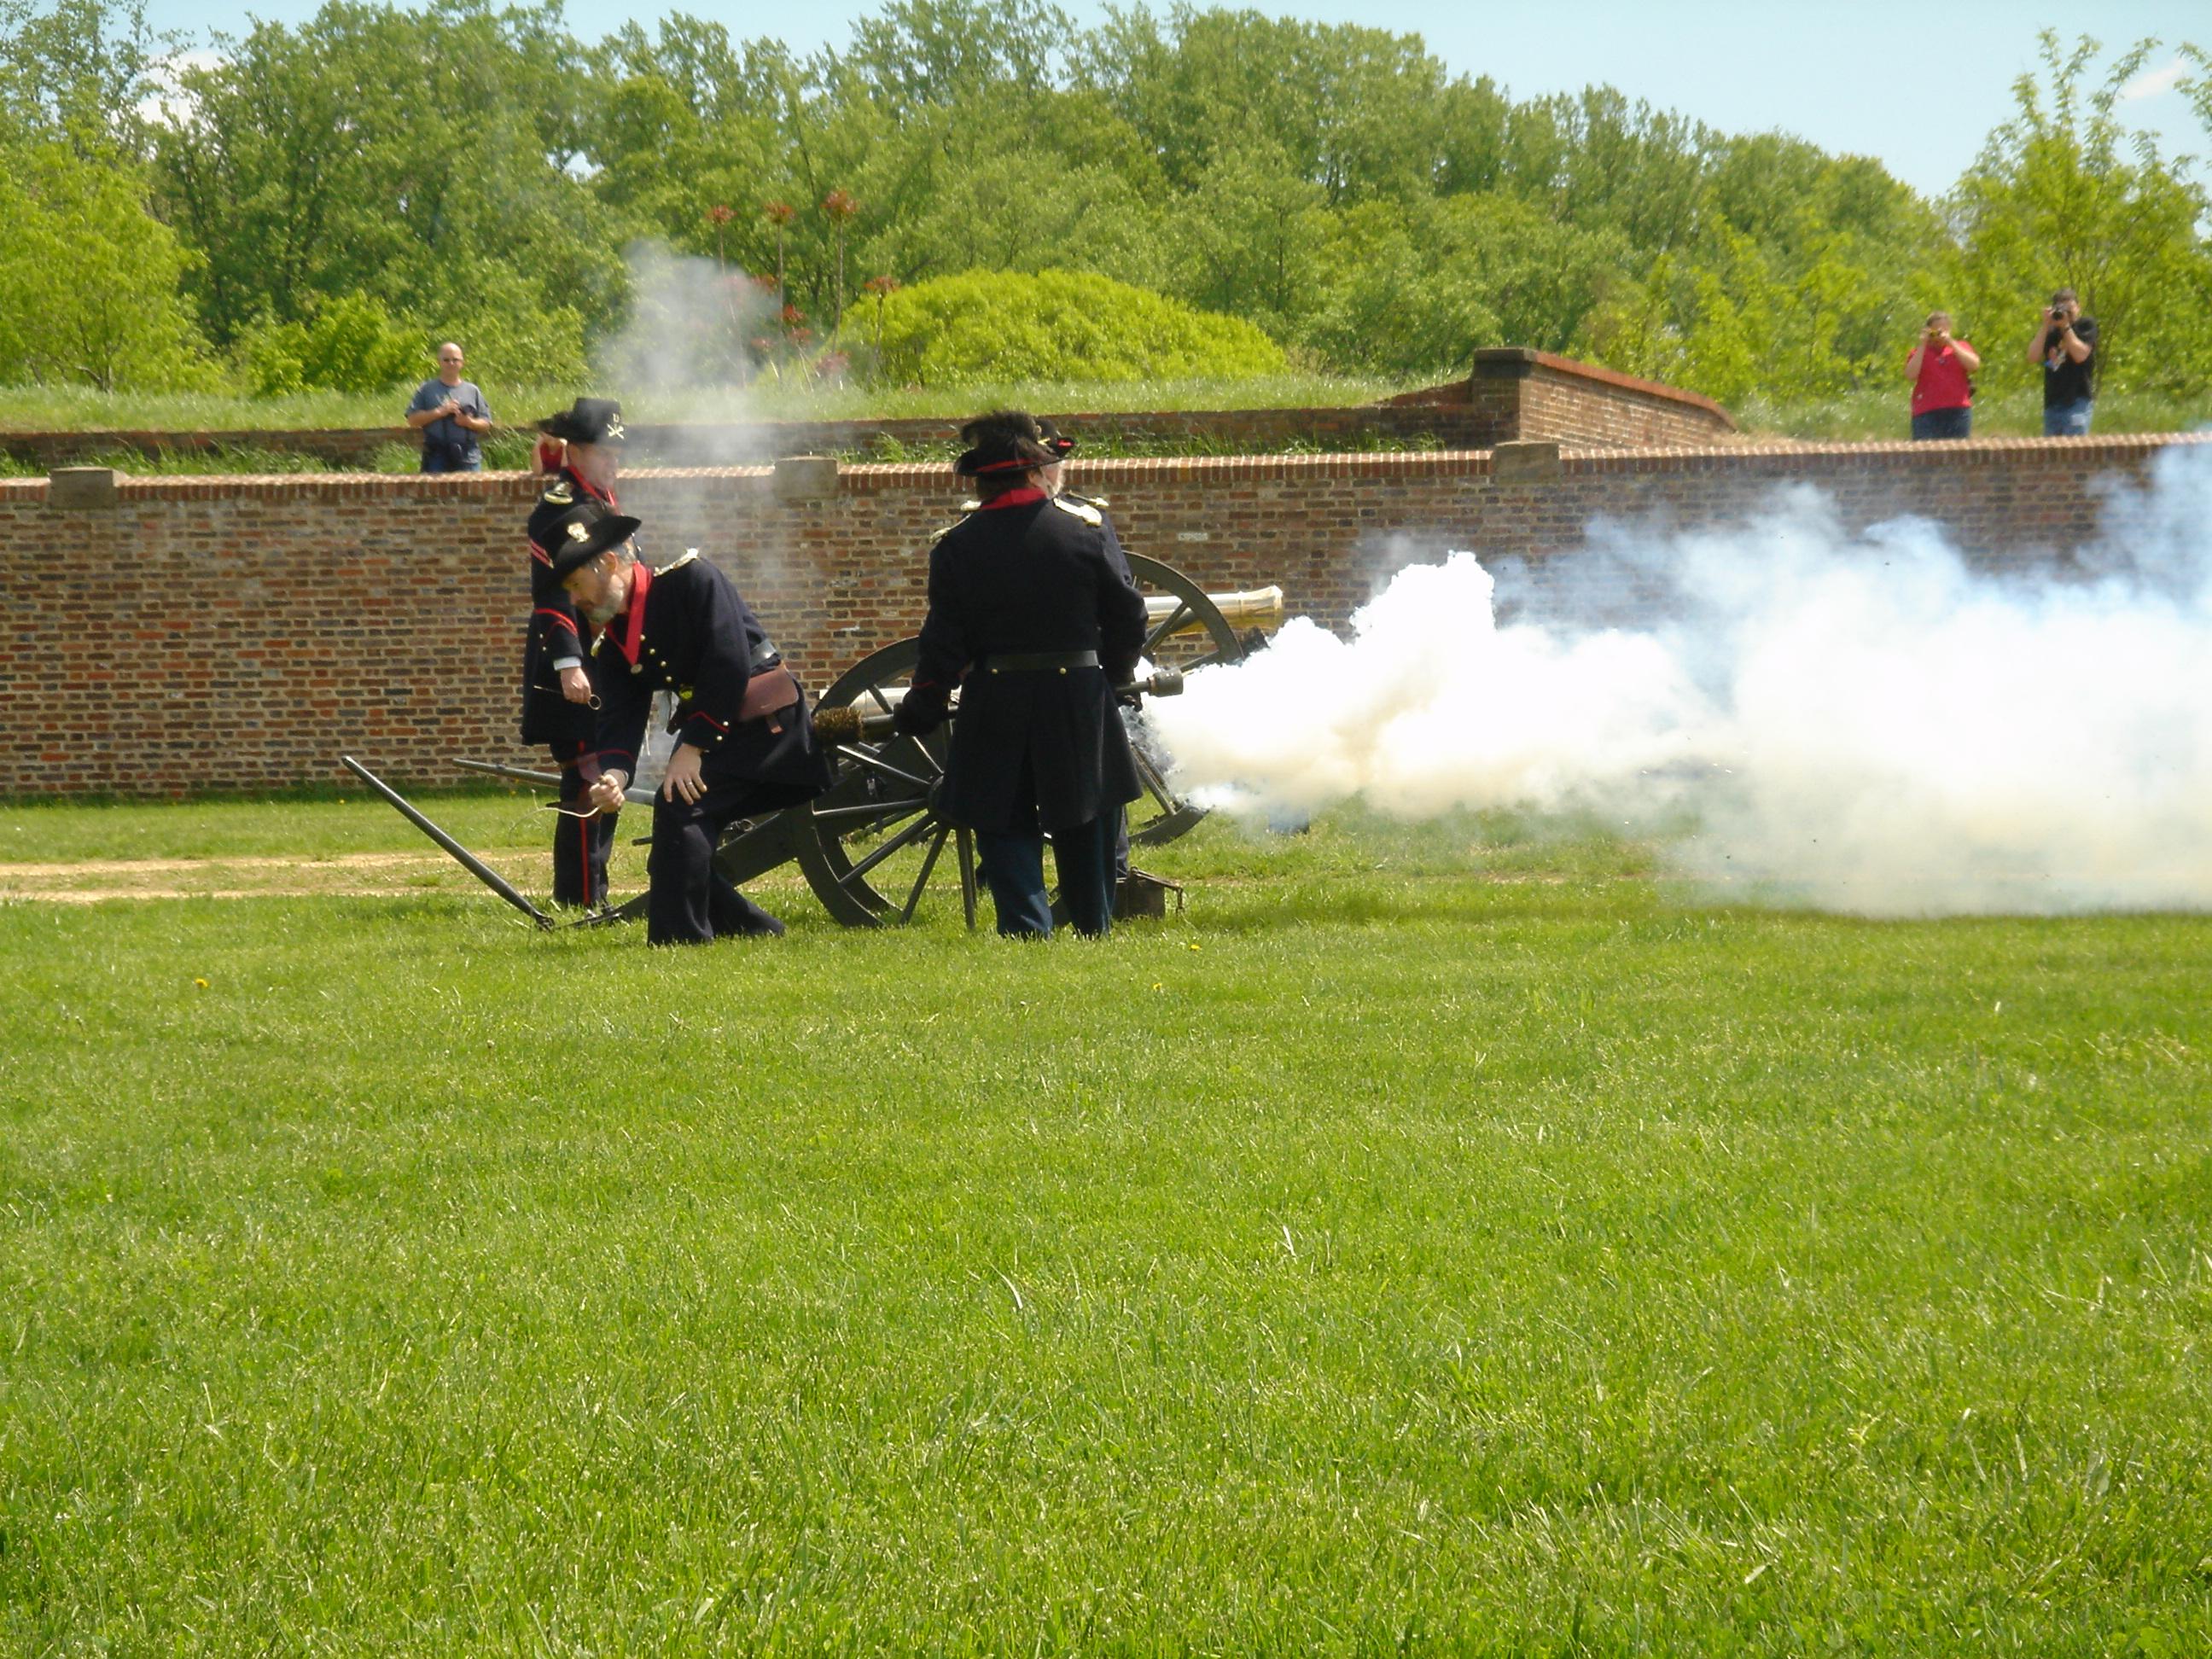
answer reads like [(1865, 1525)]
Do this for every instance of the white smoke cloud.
[(1865, 723), (690, 339)]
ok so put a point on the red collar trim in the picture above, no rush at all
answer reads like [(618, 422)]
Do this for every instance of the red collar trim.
[(597, 494), (1012, 498), (630, 633)]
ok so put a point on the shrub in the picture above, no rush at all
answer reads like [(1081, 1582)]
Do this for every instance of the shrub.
[(991, 326), (351, 344), (89, 277)]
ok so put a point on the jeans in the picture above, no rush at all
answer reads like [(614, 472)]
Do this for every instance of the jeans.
[(440, 458), (1942, 423), (2068, 420)]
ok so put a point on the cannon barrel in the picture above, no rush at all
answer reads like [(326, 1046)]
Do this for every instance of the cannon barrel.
[(1257, 607), (849, 724)]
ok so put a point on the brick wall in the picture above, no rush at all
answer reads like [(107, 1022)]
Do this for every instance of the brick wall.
[(1580, 403), (237, 632)]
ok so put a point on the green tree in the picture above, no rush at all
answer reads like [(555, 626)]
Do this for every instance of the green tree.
[(77, 70), (89, 280), (1415, 292), (378, 151), (985, 326), (2063, 195)]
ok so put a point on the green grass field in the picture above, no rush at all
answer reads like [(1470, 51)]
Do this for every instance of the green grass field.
[(1450, 1239)]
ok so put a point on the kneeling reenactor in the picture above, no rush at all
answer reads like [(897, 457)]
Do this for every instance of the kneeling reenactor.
[(1036, 622), (745, 740)]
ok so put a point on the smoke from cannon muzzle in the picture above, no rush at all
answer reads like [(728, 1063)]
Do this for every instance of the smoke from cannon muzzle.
[(851, 724)]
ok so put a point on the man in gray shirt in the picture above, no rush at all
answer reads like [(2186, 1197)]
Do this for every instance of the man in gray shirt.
[(449, 412)]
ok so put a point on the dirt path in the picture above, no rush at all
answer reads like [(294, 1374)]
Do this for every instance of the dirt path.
[(361, 874)]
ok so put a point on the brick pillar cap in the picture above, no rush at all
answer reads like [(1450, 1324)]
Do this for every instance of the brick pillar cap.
[(80, 488), (805, 477)]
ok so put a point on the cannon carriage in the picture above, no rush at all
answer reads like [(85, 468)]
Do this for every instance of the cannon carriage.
[(874, 849)]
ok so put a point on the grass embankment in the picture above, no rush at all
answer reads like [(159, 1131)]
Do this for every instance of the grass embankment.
[(1441, 1240), (1885, 414), (1874, 414)]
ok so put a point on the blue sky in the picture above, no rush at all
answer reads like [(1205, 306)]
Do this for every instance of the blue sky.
[(1918, 86)]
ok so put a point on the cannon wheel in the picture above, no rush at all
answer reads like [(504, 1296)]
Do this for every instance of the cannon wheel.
[(871, 846)]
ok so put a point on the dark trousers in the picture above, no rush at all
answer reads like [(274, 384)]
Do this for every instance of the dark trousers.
[(580, 846), (1013, 868), (1942, 423), (690, 902), (439, 458)]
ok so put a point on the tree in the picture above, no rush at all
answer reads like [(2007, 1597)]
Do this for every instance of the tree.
[(2064, 195), (78, 72), (89, 280), (378, 151)]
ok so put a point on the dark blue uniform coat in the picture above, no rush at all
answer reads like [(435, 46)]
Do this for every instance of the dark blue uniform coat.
[(688, 630), (1032, 748)]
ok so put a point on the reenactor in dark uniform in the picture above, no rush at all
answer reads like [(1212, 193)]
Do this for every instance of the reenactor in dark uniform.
[(557, 695), (746, 739), (1036, 622)]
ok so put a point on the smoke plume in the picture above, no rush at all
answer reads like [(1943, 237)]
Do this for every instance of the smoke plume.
[(1861, 722), (690, 352)]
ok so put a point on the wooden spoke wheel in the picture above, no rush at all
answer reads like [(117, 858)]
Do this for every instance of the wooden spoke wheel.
[(875, 849), (871, 847)]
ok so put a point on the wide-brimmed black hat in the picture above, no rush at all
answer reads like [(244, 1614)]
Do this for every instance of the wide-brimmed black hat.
[(1007, 441), (591, 421), (584, 531), (1049, 435)]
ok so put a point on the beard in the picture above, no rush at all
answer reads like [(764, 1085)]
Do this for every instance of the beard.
[(600, 614)]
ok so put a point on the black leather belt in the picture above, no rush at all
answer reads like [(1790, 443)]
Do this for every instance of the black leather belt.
[(1000, 662)]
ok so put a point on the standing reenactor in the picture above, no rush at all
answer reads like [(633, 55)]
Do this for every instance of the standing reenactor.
[(1036, 622), (558, 695), (746, 738)]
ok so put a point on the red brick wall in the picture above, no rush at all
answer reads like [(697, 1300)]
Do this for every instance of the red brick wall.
[(234, 634), (1575, 403)]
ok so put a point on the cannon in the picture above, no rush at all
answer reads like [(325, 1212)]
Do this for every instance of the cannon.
[(873, 847)]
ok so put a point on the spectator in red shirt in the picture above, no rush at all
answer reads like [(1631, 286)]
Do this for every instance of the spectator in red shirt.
[(1942, 395)]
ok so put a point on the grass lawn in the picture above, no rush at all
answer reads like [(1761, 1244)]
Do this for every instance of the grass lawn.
[(65, 409), (1448, 1239)]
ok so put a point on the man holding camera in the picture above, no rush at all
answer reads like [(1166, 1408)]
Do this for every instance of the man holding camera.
[(2065, 343), (1941, 368), (451, 414)]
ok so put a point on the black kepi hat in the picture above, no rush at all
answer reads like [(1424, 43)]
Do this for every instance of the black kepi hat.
[(1007, 441), (584, 531), (591, 421)]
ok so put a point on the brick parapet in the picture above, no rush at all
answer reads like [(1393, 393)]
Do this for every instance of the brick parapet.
[(238, 633), (1510, 393)]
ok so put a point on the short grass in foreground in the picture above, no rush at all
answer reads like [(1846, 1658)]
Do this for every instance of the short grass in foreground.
[(1444, 1239)]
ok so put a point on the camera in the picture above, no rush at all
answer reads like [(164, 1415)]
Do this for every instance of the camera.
[(2056, 317)]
